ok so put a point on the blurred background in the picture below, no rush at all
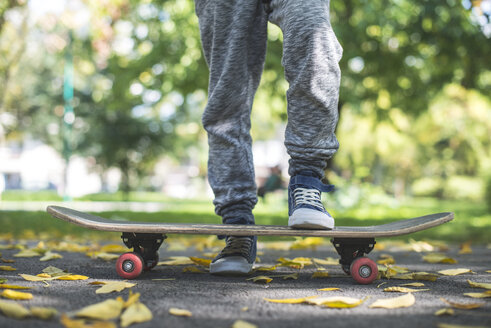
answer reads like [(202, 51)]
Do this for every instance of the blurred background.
[(101, 100)]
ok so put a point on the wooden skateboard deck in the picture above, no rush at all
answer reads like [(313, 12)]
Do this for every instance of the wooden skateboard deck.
[(351, 243), (396, 228)]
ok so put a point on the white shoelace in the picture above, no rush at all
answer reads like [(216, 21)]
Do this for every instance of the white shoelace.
[(310, 197)]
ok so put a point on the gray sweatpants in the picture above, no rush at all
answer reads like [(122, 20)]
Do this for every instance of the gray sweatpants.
[(234, 36)]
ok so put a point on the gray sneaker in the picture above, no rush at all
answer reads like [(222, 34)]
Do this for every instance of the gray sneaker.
[(237, 258)]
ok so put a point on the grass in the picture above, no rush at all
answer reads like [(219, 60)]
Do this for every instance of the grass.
[(472, 220)]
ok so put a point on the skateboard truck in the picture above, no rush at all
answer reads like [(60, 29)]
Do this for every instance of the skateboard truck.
[(353, 262), (145, 254)]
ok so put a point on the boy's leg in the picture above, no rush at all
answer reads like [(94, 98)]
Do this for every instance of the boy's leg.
[(311, 55), (233, 36)]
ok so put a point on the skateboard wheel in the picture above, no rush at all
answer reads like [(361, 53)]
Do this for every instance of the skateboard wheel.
[(152, 262), (364, 270), (129, 265)]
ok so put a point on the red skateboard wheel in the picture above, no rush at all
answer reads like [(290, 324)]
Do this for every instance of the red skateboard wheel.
[(129, 265), (364, 270)]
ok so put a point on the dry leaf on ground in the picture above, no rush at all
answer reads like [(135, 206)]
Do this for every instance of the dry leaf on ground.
[(486, 294), (403, 289), (105, 310), (27, 253), (50, 256), (44, 313), (14, 295), (326, 261), (192, 269), (261, 279), (465, 248), (386, 259), (114, 286), (438, 258), (200, 261), (413, 284), (79, 323), (417, 276), (243, 324), (462, 306), (479, 284), (337, 302), (320, 274), (446, 311), (136, 312), (177, 260), (328, 289), (72, 277), (7, 268), (13, 310), (180, 312), (5, 286), (406, 300), (265, 268), (289, 300), (454, 272)]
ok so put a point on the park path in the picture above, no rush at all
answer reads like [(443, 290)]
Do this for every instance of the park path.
[(221, 301)]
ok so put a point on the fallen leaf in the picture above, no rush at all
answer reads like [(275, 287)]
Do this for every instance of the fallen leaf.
[(463, 306), (180, 312), (465, 248), (413, 284), (293, 276), (403, 290), (13, 310), (13, 295), (132, 298), (200, 261), (114, 248), (243, 324), (438, 258), (296, 263), (27, 253), (50, 256), (386, 259), (265, 268), (289, 300), (406, 300), (54, 271), (135, 313), (29, 277), (261, 279), (192, 269), (79, 323), (486, 294), (447, 325), (7, 261), (5, 286), (337, 302), (72, 277), (446, 311), (106, 310), (320, 274), (103, 256), (479, 284), (177, 260), (327, 261), (7, 268), (328, 289), (44, 313), (114, 286), (417, 276), (307, 243), (454, 272)]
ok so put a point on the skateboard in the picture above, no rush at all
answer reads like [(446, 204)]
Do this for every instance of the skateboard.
[(351, 243)]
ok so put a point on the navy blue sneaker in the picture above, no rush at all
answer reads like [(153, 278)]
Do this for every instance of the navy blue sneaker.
[(305, 209), (237, 258)]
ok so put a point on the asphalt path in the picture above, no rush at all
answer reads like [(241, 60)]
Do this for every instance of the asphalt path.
[(220, 301)]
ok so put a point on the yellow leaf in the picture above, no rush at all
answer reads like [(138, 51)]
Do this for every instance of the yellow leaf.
[(13, 310), (97, 283), (479, 295), (320, 274), (78, 323), (192, 269), (394, 303), (327, 261), (328, 289), (289, 300), (417, 276), (479, 284), (7, 261), (106, 310), (265, 268), (135, 313), (445, 312), (296, 263), (180, 312), (438, 258), (102, 255), (177, 260), (72, 277), (5, 286), (54, 271), (44, 313), (7, 268), (465, 248), (403, 290), (413, 284), (293, 276), (132, 299), (448, 325), (454, 272), (27, 253), (278, 245), (307, 243), (114, 286), (45, 275), (463, 306), (200, 261), (261, 279), (243, 324), (386, 259), (335, 302), (114, 248), (50, 256), (13, 295), (29, 277)]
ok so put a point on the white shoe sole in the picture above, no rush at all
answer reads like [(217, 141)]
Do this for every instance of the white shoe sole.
[(231, 266), (306, 218)]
